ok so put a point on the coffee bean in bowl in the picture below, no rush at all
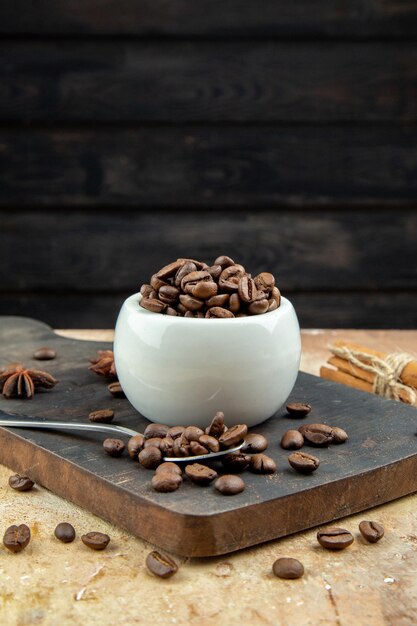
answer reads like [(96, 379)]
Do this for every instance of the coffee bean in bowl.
[(217, 333)]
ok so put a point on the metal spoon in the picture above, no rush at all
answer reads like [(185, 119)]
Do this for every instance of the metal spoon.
[(27, 422)]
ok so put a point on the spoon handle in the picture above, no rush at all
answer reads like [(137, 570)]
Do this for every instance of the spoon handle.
[(18, 422)]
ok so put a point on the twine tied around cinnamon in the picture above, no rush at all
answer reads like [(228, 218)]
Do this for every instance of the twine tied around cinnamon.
[(387, 371)]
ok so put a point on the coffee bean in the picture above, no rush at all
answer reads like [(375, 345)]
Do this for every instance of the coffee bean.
[(116, 390), (102, 416), (247, 289), (190, 303), (193, 433), (288, 568), (166, 445), (150, 457), (258, 307), (153, 442), (234, 303), (168, 294), (176, 431), (292, 440), (236, 462), (200, 474), (152, 304), (171, 311), (155, 430), (339, 435), (221, 300), (181, 447), (319, 435), (20, 483), (303, 462), (197, 449), (264, 282), (190, 280), (171, 269), (186, 269), (233, 436), (254, 443), (334, 538), (204, 289), (146, 290), (157, 283), (224, 261), (216, 427), (230, 276), (215, 271), (262, 464), (16, 538), (272, 305), (95, 540), (161, 564), (166, 482), (113, 447), (65, 532), (44, 354), (218, 312), (298, 409), (371, 531), (169, 466), (135, 445), (210, 443), (229, 484)]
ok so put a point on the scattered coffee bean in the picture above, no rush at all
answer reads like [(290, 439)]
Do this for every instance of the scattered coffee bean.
[(262, 464), (197, 449), (181, 447), (95, 540), (154, 442), (116, 390), (161, 564), (44, 354), (303, 462), (113, 447), (371, 531), (236, 462), (169, 466), (254, 443), (298, 409), (339, 435), (334, 538), (16, 538), (65, 532), (193, 433), (233, 436), (319, 435), (20, 483), (217, 426), (292, 440), (150, 457), (288, 568), (102, 416), (166, 445), (229, 484), (200, 474), (176, 431), (210, 443), (166, 481), (156, 430), (135, 445)]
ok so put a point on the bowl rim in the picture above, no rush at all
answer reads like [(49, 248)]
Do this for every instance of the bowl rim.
[(132, 303)]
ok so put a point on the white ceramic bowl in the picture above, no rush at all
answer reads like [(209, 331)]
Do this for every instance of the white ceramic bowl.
[(178, 370)]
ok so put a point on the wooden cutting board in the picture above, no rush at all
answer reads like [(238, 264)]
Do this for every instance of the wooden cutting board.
[(378, 464)]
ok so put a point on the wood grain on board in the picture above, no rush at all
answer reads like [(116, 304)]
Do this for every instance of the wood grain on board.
[(381, 452)]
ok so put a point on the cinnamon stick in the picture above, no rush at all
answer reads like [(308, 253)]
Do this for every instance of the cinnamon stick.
[(346, 379), (409, 373)]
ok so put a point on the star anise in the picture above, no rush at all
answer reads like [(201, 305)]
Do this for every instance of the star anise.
[(103, 364), (16, 381)]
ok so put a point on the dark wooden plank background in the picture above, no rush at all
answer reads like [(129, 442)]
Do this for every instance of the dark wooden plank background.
[(284, 134)]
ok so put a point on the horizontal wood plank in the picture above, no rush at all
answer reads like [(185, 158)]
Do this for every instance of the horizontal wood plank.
[(129, 81), (213, 167), (314, 310), (117, 251), (361, 18)]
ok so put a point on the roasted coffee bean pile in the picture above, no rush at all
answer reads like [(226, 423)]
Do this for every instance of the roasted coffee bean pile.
[(317, 435), (190, 288)]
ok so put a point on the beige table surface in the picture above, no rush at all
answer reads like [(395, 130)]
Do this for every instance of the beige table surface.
[(55, 584)]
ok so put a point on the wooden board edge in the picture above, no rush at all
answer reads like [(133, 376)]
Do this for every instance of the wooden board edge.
[(212, 535)]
